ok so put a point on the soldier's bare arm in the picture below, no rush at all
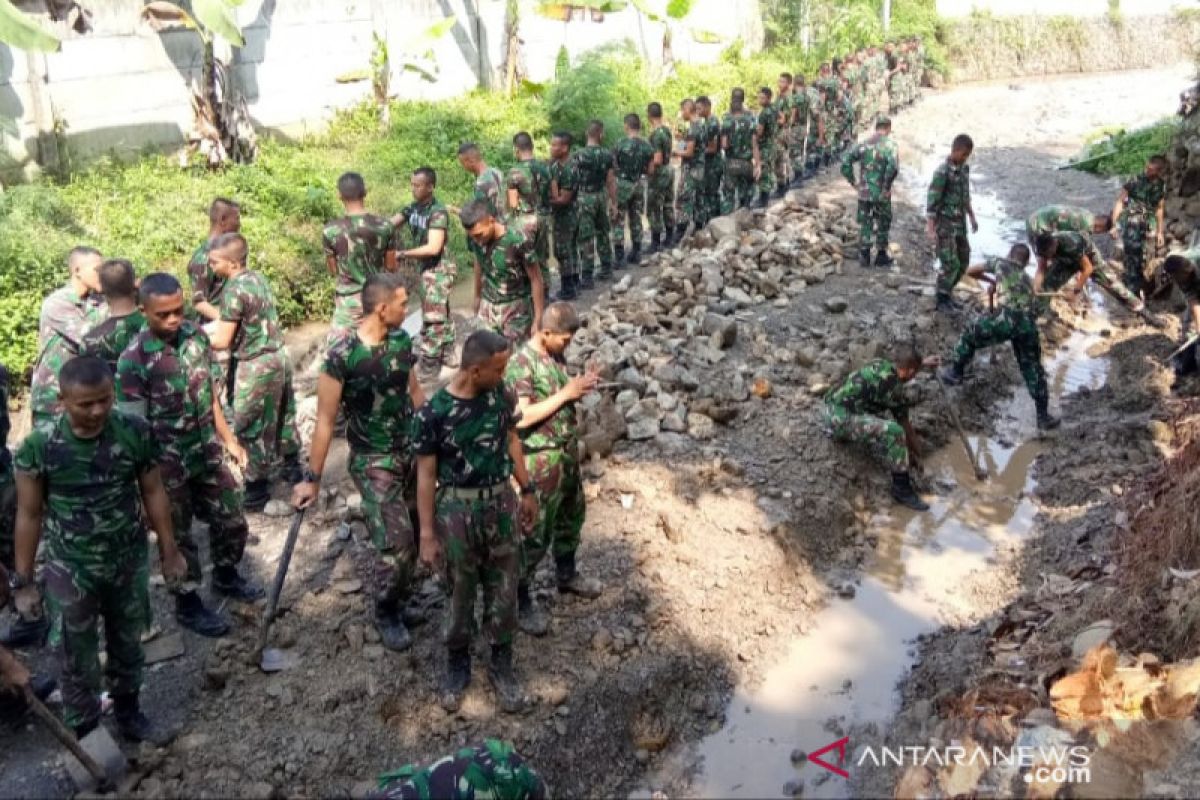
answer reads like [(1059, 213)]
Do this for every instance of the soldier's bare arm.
[(391, 262), (478, 285), (1085, 271), (31, 493), (158, 511), (329, 397), (331, 265), (221, 336), (1118, 207), (538, 287), (534, 412), (430, 548), (1160, 232), (528, 501), (431, 248), (225, 434), (415, 393), (206, 310)]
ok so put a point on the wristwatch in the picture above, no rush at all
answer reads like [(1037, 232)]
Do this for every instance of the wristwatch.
[(528, 489), (310, 476), (16, 581)]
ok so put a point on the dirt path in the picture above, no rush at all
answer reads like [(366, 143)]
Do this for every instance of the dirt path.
[(718, 553)]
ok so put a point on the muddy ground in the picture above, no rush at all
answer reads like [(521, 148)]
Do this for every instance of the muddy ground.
[(716, 554)]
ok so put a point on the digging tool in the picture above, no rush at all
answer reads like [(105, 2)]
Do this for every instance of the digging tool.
[(271, 659), (1184, 346), (105, 772), (980, 470)]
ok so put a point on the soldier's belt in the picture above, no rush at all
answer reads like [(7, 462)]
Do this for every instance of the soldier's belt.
[(475, 492)]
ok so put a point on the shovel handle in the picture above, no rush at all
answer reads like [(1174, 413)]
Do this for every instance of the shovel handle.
[(285, 558), (65, 736)]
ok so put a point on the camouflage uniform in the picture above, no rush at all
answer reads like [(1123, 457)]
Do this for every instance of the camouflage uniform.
[(1057, 218), (768, 121), (207, 287), (379, 417), (263, 403), (880, 163), (849, 126), (359, 244), (491, 771), (660, 194), (437, 280), (8, 489), (691, 195), (831, 108), (1188, 282), (782, 164), (632, 157), (489, 185), (531, 179), (738, 129), (170, 384), (476, 509), (1138, 222), (714, 169), (96, 551), (1071, 248), (506, 301), (552, 458), (592, 164), (565, 219), (803, 132), (948, 199), (109, 339), (853, 411), (65, 318)]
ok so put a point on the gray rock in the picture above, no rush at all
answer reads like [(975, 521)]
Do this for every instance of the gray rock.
[(723, 329), (277, 508), (642, 429), (1094, 634), (632, 379), (722, 228), (700, 426), (674, 423), (737, 296)]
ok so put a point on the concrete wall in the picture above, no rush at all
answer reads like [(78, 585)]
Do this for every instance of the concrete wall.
[(1069, 8)]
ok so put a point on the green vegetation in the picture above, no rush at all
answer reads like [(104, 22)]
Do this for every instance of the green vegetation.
[(1116, 151)]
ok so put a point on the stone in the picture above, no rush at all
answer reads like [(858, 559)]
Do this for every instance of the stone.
[(277, 508), (722, 228), (723, 330), (632, 379), (700, 426), (626, 398), (602, 640), (674, 423), (1095, 634), (836, 304), (642, 429), (737, 296)]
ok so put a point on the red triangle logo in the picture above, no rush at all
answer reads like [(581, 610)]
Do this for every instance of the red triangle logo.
[(840, 746)]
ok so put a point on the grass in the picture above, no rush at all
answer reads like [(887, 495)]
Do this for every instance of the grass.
[(1116, 151)]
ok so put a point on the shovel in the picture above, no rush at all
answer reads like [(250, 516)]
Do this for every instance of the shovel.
[(980, 470), (271, 659), (103, 762), (1193, 340)]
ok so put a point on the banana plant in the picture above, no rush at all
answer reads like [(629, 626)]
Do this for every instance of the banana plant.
[(415, 55), (20, 31)]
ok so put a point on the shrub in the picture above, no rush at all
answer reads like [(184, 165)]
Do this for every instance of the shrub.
[(604, 85), (1124, 153)]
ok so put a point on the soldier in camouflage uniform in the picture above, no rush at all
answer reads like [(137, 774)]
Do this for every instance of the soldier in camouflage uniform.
[(849, 117), (508, 277), (427, 221), (66, 315), (368, 376), (89, 479), (596, 205), (1139, 213), (262, 400), (632, 157), (1015, 322), (224, 216), (356, 246), (564, 185), (467, 453), (491, 771), (528, 184), (879, 162), (764, 146), (714, 163), (1067, 254), (1183, 268), (737, 137), (165, 376), (548, 428), (1061, 218), (854, 413), (489, 184), (947, 208), (784, 136), (23, 631), (802, 133), (829, 89), (109, 339), (693, 145), (660, 189)]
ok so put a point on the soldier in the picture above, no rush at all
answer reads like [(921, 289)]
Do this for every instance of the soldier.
[(67, 314), (830, 91), (224, 216), (1183, 268), (491, 770), (564, 184), (546, 398), (714, 164), (596, 204), (1139, 213), (947, 208), (737, 138), (849, 117), (109, 339), (660, 190), (879, 162), (895, 77), (263, 403), (529, 198), (165, 376), (1016, 322), (801, 120), (632, 157), (356, 246), (783, 138), (489, 183), (816, 126), (367, 375), (428, 222), (508, 277), (467, 453), (1066, 254), (1056, 218), (90, 478), (692, 146), (854, 413), (764, 146)]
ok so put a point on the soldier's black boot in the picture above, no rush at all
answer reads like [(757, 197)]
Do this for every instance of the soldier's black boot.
[(864, 256), (292, 472), (904, 493), (229, 582), (883, 258), (680, 232), (951, 374), (392, 631), (587, 282), (781, 190), (27, 632), (568, 288), (531, 619), (655, 243), (191, 613), (1045, 421), (456, 679), (571, 582), (504, 681), (133, 725), (258, 493), (635, 255), (946, 304), (619, 256), (763, 198)]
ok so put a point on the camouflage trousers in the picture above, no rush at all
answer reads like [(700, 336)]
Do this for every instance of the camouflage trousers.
[(1117, 289), (631, 202), (782, 161), (714, 174), (512, 320), (541, 246), (1133, 240), (874, 223), (566, 233), (214, 494), (738, 189), (80, 600), (660, 199), (8, 519), (766, 175), (437, 325), (593, 237), (691, 195), (480, 540), (799, 150), (1009, 325), (870, 430), (561, 508), (347, 312), (264, 413), (954, 255), (383, 479)]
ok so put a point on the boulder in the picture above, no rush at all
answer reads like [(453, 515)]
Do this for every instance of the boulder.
[(722, 228), (723, 330), (700, 426), (737, 296), (642, 429)]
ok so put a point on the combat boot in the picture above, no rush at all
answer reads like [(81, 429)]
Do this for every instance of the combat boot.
[(133, 725), (228, 582), (904, 493), (26, 632), (883, 258), (655, 243), (191, 613), (864, 256), (951, 374), (392, 632), (680, 232), (292, 471), (571, 582), (763, 199), (618, 256), (946, 304), (780, 192), (568, 288), (531, 619), (504, 681), (635, 255), (1045, 421), (456, 679), (258, 493), (587, 282)]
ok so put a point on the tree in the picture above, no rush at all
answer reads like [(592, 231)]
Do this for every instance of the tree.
[(415, 55)]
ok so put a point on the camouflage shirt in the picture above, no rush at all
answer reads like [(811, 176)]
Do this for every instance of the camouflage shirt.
[(712, 137), (1144, 197), (531, 179), (1013, 284), (949, 194), (1055, 218), (109, 339), (879, 163), (535, 376), (375, 399), (875, 388), (65, 318), (492, 771), (469, 437), (738, 129), (1072, 247), (93, 518), (249, 302), (768, 121), (489, 185), (359, 244), (801, 104), (566, 176), (503, 264), (593, 163), (632, 156), (662, 142), (206, 285), (697, 132), (420, 220)]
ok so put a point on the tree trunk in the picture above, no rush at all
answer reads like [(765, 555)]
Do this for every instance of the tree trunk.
[(512, 46)]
